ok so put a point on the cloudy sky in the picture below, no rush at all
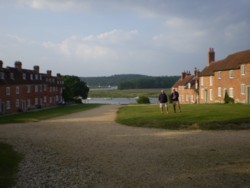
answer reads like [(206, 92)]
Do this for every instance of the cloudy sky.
[(107, 37)]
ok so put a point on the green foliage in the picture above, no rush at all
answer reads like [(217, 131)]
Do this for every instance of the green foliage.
[(198, 116), (9, 160), (149, 82), (143, 100), (132, 81), (227, 99), (127, 93), (113, 80), (74, 87)]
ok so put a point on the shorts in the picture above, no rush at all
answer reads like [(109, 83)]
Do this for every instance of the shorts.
[(162, 104)]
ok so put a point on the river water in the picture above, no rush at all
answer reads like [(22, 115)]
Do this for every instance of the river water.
[(115, 100)]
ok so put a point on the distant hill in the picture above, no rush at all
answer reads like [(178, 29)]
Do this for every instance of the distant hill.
[(113, 80), (131, 81)]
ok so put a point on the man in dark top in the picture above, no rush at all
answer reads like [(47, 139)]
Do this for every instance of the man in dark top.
[(175, 100), (163, 100)]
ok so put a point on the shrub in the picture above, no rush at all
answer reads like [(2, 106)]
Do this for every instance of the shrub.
[(227, 99), (143, 100)]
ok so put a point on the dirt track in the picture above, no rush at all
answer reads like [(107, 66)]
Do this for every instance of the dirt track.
[(89, 149)]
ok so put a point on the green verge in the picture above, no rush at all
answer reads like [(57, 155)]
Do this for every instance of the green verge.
[(45, 113), (127, 93), (195, 116), (9, 160)]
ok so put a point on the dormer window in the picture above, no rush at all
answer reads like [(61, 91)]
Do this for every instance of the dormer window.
[(219, 75), (242, 69), (12, 76), (31, 76), (2, 75), (24, 76), (36, 76), (189, 85)]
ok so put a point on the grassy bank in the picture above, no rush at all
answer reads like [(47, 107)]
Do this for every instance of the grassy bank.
[(45, 113), (127, 93), (204, 116), (9, 160)]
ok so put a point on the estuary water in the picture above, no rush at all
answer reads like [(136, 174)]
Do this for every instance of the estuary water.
[(115, 100)]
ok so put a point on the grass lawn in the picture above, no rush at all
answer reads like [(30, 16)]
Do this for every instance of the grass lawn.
[(9, 160), (45, 113), (202, 116)]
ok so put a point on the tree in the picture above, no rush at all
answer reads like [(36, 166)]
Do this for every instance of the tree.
[(143, 100), (228, 99), (74, 87)]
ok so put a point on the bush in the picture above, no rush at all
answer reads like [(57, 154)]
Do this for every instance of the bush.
[(227, 99), (143, 100)]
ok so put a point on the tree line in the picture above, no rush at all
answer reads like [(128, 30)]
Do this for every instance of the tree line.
[(131, 81), (75, 87)]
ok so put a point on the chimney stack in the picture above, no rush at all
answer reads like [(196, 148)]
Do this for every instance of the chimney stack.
[(211, 56), (18, 65), (183, 75), (1, 64), (49, 72), (36, 69)]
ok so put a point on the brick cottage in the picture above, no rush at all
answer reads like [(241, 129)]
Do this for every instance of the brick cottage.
[(231, 75)]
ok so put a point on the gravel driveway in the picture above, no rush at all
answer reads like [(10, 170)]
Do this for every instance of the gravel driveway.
[(88, 149)]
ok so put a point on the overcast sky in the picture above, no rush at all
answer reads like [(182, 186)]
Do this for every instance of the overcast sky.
[(107, 37)]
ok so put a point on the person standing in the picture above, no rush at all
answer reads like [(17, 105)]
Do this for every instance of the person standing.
[(163, 100), (175, 100)]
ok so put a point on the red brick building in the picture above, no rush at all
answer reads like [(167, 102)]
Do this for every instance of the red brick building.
[(187, 86), (231, 75), (23, 89)]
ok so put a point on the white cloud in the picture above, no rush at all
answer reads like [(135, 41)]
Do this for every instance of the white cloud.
[(180, 35), (103, 46), (16, 38), (55, 5)]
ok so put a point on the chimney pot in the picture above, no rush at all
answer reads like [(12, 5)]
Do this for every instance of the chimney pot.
[(36, 69), (18, 65), (211, 56)]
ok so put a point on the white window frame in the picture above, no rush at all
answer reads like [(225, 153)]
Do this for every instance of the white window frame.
[(219, 91), (24, 76), (231, 92), (8, 105), (28, 103), (28, 88), (17, 90), (36, 101), (211, 80), (231, 74), (210, 94), (8, 91), (12, 76), (2, 75), (17, 103), (219, 75), (36, 88), (202, 93), (202, 81), (243, 89)]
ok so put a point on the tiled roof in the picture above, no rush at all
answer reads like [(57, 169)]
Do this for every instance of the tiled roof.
[(231, 62), (183, 82)]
